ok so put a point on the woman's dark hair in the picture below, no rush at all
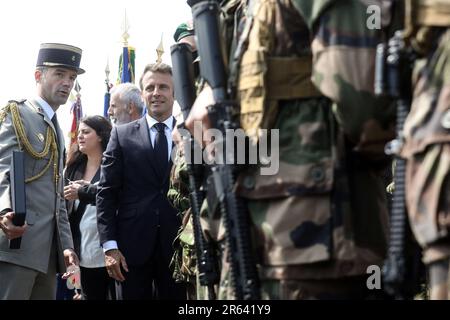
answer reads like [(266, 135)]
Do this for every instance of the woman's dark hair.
[(102, 128)]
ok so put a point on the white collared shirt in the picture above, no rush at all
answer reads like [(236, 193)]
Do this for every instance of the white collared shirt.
[(168, 131), (46, 107)]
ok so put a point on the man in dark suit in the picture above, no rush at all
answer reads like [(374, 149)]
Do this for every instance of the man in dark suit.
[(136, 223)]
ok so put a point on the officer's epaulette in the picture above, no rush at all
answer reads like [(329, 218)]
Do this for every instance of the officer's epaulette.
[(17, 101), (6, 109)]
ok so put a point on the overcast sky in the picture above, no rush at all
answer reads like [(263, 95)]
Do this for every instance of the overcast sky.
[(93, 25)]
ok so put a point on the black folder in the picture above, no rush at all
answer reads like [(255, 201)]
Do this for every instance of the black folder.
[(17, 176)]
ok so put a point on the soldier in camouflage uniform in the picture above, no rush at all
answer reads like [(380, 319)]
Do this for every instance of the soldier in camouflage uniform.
[(322, 219), (427, 139), (184, 260)]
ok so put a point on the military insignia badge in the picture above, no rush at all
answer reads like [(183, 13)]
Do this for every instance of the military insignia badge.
[(40, 137), (60, 55)]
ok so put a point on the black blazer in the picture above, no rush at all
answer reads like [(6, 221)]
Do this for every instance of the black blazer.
[(86, 195), (132, 205)]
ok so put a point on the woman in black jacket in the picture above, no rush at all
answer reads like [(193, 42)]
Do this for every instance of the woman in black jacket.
[(81, 176)]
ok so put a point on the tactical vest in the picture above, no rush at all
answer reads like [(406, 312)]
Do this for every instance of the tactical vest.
[(427, 13), (276, 65), (422, 17)]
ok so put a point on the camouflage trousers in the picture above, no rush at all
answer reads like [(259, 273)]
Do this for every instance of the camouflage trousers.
[(345, 288)]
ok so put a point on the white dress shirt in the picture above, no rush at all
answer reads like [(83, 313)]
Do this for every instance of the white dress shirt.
[(168, 131)]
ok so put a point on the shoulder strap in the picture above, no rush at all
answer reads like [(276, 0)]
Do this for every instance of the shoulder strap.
[(7, 109), (241, 44)]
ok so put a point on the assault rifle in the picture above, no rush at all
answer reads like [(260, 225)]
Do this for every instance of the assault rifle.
[(183, 71), (393, 72), (232, 209)]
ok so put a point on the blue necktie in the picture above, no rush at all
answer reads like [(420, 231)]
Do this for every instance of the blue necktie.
[(161, 150)]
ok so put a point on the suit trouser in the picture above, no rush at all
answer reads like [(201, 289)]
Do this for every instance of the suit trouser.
[(151, 281), (96, 284), (21, 283)]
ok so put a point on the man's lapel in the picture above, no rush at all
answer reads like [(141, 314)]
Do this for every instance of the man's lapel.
[(169, 166), (39, 110), (56, 131)]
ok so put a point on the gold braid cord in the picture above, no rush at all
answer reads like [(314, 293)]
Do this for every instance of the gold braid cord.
[(3, 113), (50, 145)]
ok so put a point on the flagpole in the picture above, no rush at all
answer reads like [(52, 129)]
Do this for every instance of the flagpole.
[(107, 72), (77, 114), (107, 94), (77, 89), (160, 50), (126, 64), (125, 28)]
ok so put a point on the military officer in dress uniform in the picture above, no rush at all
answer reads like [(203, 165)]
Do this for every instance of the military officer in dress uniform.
[(31, 126)]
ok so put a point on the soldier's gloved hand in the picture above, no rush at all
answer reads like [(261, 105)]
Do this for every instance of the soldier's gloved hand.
[(198, 121), (11, 231)]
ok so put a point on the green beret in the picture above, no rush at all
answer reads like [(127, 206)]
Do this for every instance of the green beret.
[(183, 30)]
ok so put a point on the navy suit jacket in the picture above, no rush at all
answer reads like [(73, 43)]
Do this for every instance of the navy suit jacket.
[(132, 206)]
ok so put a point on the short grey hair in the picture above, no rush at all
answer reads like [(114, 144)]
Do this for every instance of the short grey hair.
[(128, 92)]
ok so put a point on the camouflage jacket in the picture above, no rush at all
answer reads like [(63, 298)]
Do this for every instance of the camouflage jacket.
[(178, 194), (324, 213), (427, 146), (184, 258)]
